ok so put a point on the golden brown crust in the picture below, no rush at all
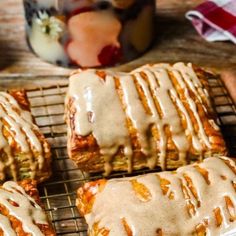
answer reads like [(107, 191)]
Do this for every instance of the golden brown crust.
[(31, 189), (86, 199), (19, 156), (85, 151), (21, 98)]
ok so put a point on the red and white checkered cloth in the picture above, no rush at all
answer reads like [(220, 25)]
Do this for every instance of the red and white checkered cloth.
[(215, 20)]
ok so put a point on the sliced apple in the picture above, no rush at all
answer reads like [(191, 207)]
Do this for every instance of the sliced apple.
[(91, 32)]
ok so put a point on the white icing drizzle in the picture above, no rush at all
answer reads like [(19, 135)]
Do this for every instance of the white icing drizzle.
[(5, 225), (93, 98), (162, 86), (98, 98), (192, 106), (119, 200), (136, 112), (27, 211), (190, 129), (156, 119), (192, 80), (22, 127)]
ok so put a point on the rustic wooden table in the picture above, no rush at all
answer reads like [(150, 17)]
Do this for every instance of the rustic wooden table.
[(176, 40)]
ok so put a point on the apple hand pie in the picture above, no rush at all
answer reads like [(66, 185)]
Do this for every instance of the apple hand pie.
[(155, 116), (198, 199), (24, 152), (20, 211)]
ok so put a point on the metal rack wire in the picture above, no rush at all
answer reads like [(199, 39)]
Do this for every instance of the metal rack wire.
[(59, 193)]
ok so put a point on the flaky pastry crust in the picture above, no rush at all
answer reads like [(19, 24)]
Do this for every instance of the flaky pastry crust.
[(190, 99)]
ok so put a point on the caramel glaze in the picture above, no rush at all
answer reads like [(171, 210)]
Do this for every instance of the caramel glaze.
[(151, 109), (198, 199)]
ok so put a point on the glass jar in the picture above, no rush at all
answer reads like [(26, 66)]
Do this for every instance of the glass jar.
[(89, 33)]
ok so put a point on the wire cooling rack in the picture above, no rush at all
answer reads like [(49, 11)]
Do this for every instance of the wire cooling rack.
[(59, 193)]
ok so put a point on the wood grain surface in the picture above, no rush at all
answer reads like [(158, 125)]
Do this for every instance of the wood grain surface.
[(176, 40)]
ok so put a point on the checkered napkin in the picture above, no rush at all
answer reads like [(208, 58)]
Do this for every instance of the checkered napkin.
[(215, 20)]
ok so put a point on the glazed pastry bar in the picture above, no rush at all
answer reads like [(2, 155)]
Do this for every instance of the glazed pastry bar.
[(20, 211), (158, 115), (198, 199), (25, 153)]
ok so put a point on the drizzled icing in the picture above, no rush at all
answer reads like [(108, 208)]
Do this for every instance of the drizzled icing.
[(22, 207), (111, 104), (5, 225), (118, 200), (22, 129)]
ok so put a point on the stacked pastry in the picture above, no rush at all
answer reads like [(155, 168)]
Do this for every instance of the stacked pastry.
[(156, 116), (24, 154)]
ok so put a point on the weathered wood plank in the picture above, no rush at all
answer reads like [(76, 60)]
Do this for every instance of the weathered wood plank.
[(176, 40)]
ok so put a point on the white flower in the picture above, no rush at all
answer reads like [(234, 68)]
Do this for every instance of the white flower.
[(50, 24)]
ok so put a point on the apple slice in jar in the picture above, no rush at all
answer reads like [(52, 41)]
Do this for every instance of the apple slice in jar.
[(91, 32), (44, 38)]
